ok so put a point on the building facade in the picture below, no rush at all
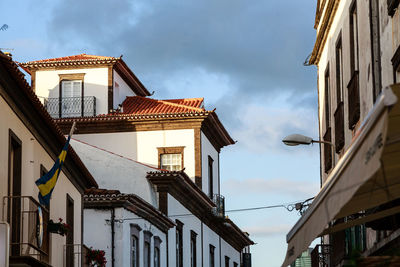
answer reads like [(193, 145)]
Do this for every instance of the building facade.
[(179, 141), (357, 54), (30, 142)]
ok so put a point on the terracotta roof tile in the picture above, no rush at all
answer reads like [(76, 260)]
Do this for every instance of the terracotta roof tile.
[(72, 58), (142, 105)]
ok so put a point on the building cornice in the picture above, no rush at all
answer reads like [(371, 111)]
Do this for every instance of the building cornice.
[(130, 202), (208, 122), (184, 190), (324, 29)]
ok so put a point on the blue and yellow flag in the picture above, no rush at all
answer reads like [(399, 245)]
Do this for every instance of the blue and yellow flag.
[(47, 182)]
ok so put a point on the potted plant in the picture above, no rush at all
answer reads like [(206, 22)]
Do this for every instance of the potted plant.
[(58, 228), (96, 257)]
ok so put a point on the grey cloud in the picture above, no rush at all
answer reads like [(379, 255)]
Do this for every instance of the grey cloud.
[(259, 44)]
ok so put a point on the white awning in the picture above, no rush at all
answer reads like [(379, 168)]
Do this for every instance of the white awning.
[(366, 176)]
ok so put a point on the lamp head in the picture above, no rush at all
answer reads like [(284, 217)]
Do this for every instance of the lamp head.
[(297, 139)]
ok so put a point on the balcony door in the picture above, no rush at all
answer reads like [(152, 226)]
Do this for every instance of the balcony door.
[(14, 192), (71, 98)]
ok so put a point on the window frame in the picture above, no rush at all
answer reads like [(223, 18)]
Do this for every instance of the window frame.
[(193, 248), (179, 243), (211, 256), (171, 150), (156, 246), (135, 234), (210, 177), (147, 245), (70, 77)]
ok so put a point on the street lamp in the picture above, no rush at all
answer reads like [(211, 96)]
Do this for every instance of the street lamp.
[(299, 139)]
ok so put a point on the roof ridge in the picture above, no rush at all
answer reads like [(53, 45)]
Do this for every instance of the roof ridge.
[(105, 150)]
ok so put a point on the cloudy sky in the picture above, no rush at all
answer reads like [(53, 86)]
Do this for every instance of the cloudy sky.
[(245, 57)]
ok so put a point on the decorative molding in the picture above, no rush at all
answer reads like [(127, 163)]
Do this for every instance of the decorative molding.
[(322, 34), (72, 76)]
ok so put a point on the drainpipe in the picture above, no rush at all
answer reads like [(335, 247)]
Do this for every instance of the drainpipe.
[(112, 236)]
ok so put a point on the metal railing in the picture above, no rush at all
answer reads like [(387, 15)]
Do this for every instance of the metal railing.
[(75, 255), (28, 230), (219, 201), (320, 256), (71, 106)]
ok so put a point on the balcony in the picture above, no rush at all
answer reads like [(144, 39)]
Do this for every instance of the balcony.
[(327, 150), (353, 100), (339, 127), (67, 107), (29, 242), (320, 256), (219, 201)]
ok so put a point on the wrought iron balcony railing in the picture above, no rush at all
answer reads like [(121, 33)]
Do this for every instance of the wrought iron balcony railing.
[(219, 201), (66, 107), (320, 256), (28, 227)]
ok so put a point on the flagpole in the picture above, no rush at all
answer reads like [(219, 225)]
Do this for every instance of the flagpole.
[(71, 132)]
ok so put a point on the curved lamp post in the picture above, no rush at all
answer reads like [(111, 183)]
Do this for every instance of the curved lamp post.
[(299, 139)]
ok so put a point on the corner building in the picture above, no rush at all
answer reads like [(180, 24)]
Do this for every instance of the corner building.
[(178, 139), (356, 212)]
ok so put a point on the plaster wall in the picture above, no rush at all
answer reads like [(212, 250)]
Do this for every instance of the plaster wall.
[(142, 146), (33, 155), (340, 27), (114, 172), (95, 83), (121, 91), (207, 149), (205, 238), (98, 221)]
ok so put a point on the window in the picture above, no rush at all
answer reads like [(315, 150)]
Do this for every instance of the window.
[(146, 248), (193, 249), (235, 264), (327, 97), (227, 261), (70, 233), (179, 245), (70, 95), (212, 256), (135, 231), (170, 158), (353, 86), (210, 177), (339, 113), (157, 260), (14, 189), (327, 135)]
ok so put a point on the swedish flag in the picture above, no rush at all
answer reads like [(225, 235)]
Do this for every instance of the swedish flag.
[(47, 182)]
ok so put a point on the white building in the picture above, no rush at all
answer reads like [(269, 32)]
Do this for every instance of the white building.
[(31, 142), (178, 137), (357, 52)]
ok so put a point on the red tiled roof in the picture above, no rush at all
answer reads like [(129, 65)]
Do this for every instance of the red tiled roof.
[(73, 58), (143, 105)]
